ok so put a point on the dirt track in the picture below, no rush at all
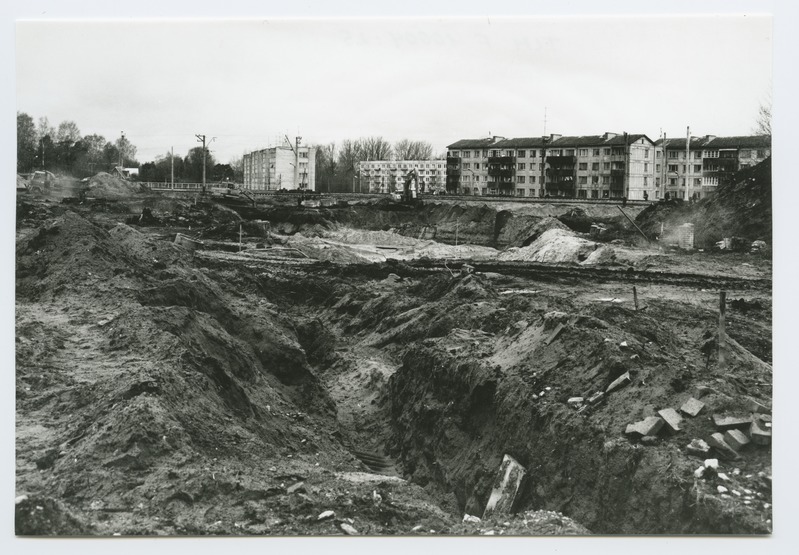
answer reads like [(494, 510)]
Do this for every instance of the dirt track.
[(233, 393)]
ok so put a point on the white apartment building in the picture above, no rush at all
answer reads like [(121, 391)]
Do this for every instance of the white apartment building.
[(272, 169)]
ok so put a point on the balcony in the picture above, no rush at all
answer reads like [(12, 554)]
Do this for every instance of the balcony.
[(561, 161), (617, 172), (504, 160)]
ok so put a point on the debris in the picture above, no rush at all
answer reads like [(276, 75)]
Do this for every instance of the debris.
[(723, 476), (736, 439), (325, 515), (692, 407), (506, 486), (649, 440), (20, 499), (554, 333), (649, 426), (721, 489), (596, 397), (623, 344), (672, 418), (347, 529), (470, 518), (759, 434), (699, 472), (711, 463), (729, 422), (754, 406), (619, 382), (575, 401), (417, 528), (717, 442), (296, 487), (698, 447)]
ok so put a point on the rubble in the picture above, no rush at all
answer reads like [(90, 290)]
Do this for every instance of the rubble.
[(735, 439), (506, 486), (672, 419), (649, 426), (717, 442), (692, 407), (618, 383), (759, 434), (698, 447)]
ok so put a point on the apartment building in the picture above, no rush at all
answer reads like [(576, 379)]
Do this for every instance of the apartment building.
[(598, 166), (388, 176), (273, 169), (695, 168)]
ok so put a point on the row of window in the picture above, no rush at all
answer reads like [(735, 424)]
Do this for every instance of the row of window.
[(614, 151)]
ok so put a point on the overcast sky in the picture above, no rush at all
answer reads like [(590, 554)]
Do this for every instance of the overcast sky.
[(248, 83)]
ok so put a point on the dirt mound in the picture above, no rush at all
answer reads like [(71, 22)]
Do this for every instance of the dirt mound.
[(741, 208), (105, 185), (556, 245)]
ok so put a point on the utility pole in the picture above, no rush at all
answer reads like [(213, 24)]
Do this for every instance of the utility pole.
[(296, 150), (201, 139), (663, 169), (688, 186), (172, 161), (121, 145)]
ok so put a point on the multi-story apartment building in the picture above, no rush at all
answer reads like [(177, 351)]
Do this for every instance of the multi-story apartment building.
[(273, 168), (695, 168), (388, 176), (598, 166)]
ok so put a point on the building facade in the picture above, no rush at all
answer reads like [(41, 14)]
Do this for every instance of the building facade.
[(598, 166), (272, 169), (695, 168), (388, 176)]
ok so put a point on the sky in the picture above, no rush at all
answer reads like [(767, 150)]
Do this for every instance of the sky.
[(250, 82)]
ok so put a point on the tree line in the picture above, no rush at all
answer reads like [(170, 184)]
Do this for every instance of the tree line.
[(337, 164), (189, 169), (62, 148)]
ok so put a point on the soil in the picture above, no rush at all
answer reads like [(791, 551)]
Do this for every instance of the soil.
[(284, 371)]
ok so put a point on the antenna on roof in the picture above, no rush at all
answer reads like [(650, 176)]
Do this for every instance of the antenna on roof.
[(545, 120)]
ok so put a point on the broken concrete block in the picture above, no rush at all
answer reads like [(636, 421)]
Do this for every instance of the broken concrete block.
[(649, 440), (672, 418), (699, 472), (575, 401), (711, 463), (716, 441), (596, 397), (755, 406), (729, 422), (649, 426), (735, 439), (506, 486), (619, 382), (692, 407), (470, 518), (759, 434), (698, 447)]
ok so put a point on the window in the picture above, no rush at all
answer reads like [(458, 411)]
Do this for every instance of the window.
[(554, 152), (646, 181), (596, 152), (657, 168), (657, 182), (520, 192), (697, 181), (607, 152), (658, 154), (697, 168), (532, 179), (583, 152), (673, 181), (646, 153), (605, 180), (646, 167), (746, 154), (521, 166), (522, 153), (595, 166), (533, 153), (569, 152), (465, 165), (581, 193), (477, 165), (761, 153), (711, 154), (466, 154), (583, 180), (594, 194), (594, 179), (583, 166), (683, 168), (495, 153), (605, 165), (672, 154), (485, 154), (673, 168), (519, 179), (711, 181), (617, 151), (698, 154)]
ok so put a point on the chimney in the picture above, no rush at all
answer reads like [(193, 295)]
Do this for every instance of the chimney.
[(709, 137), (496, 139), (554, 137), (609, 136)]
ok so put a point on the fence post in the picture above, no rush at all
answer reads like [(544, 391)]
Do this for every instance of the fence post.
[(722, 330)]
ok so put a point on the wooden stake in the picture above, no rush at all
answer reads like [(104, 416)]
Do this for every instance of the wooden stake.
[(239, 237), (635, 297), (722, 331)]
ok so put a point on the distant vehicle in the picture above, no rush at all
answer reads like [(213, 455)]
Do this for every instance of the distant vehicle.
[(231, 192)]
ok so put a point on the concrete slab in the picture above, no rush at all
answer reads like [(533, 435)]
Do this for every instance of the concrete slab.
[(735, 439), (555, 333), (692, 407), (506, 486), (596, 397), (716, 441), (759, 434), (619, 382), (755, 406), (649, 426), (672, 419), (729, 422)]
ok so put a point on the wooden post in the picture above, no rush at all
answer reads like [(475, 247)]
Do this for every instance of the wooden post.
[(239, 237), (456, 233), (635, 297), (722, 331)]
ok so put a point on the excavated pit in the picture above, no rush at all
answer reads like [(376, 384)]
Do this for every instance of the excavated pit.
[(248, 387)]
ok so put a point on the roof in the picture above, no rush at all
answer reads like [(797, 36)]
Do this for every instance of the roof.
[(598, 140), (741, 141), (474, 143), (521, 142)]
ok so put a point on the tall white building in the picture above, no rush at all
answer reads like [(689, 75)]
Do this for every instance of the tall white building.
[(272, 169)]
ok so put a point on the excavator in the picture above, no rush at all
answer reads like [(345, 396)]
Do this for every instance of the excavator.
[(228, 191)]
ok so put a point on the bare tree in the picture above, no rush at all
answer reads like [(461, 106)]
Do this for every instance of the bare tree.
[(763, 121), (413, 150), (67, 133), (375, 148)]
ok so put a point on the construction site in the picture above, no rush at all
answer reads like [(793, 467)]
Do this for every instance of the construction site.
[(225, 364)]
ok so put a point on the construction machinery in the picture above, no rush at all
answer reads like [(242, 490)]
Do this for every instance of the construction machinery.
[(229, 191)]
